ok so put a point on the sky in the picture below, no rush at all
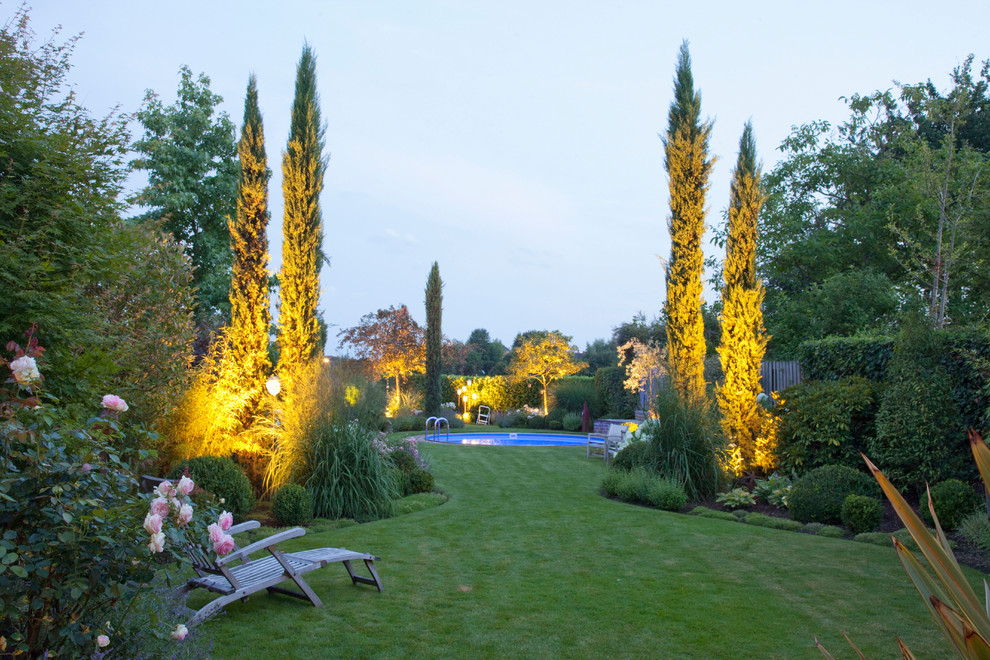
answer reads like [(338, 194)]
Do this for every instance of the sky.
[(515, 142)]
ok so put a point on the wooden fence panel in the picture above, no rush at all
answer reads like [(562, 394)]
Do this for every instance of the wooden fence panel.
[(774, 376)]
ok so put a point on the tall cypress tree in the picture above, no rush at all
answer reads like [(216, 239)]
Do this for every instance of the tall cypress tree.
[(250, 317), (688, 167), (434, 335), (744, 339), (303, 166)]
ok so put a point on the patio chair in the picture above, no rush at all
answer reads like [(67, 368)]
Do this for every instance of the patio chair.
[(608, 443), (236, 581), (484, 412)]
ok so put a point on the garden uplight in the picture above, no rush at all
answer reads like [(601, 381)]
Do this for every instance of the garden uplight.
[(274, 386)]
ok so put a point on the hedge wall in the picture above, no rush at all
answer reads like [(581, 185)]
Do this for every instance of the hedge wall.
[(844, 357)]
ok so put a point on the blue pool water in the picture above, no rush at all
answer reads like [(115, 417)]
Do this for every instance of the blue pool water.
[(511, 439)]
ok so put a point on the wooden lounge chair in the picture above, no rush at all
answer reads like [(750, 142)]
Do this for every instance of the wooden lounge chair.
[(233, 580), (608, 443)]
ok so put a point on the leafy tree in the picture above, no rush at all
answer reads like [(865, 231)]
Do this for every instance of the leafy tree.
[(391, 341), (483, 353), (654, 332), (303, 166), (744, 338), (600, 353), (648, 363), (544, 357), (189, 154), (111, 299), (434, 339), (247, 334), (688, 166)]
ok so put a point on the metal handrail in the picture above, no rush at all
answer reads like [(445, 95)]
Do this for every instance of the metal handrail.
[(436, 429)]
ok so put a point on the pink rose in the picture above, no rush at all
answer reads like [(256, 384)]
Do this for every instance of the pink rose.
[(216, 533), (185, 485), (185, 514), (157, 542), (165, 489), (180, 633), (152, 523), (115, 403), (226, 520), (86, 467), (102, 641), (159, 507), (224, 546), (25, 370)]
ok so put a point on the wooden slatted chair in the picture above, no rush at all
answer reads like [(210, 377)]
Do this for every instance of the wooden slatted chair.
[(608, 443), (236, 581)]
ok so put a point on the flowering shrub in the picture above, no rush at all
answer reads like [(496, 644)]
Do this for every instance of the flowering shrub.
[(71, 556)]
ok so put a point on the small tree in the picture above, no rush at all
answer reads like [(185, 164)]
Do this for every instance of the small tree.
[(434, 340), (544, 357), (647, 363), (391, 341)]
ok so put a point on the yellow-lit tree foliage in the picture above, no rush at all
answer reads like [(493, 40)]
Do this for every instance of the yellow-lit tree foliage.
[(303, 166), (688, 167), (544, 357), (744, 339), (391, 341), (250, 317)]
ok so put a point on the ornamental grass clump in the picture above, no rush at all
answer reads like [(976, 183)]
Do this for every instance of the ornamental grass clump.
[(346, 473)]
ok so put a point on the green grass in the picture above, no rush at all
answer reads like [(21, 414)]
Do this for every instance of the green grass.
[(527, 560)]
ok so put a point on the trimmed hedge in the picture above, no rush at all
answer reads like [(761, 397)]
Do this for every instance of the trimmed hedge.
[(833, 358), (221, 476), (819, 495), (613, 398)]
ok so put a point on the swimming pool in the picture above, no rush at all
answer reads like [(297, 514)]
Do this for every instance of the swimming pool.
[(511, 439)]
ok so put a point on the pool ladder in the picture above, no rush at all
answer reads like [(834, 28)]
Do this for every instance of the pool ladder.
[(436, 428)]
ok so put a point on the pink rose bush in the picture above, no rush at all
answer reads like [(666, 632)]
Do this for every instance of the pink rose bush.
[(114, 403), (226, 520), (103, 641), (25, 370), (180, 633)]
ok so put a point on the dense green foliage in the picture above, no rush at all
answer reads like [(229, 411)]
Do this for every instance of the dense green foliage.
[(345, 473), (833, 358), (221, 476), (818, 495), (292, 505), (613, 398), (571, 422), (434, 341), (572, 392), (189, 154), (111, 300), (642, 486), (861, 513), (953, 501), (825, 423), (920, 437)]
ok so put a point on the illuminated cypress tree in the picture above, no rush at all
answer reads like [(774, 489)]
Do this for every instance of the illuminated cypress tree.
[(434, 337), (688, 167), (744, 339), (250, 317), (303, 166)]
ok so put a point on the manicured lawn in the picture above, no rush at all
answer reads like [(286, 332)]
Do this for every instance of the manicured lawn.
[(526, 560)]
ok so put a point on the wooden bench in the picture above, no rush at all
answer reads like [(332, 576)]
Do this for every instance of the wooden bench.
[(608, 443)]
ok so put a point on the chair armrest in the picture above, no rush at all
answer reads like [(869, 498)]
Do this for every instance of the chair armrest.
[(243, 527), (274, 539)]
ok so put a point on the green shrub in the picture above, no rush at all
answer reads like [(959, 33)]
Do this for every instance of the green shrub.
[(818, 495), (572, 421), (419, 481), (537, 422), (763, 520), (345, 473), (453, 420), (861, 513), (685, 443), (975, 528), (919, 435), (555, 425), (666, 494), (506, 420), (825, 423), (610, 390), (832, 532), (736, 498), (953, 501), (403, 460), (221, 476), (773, 490), (408, 423), (632, 455), (556, 414), (292, 505), (705, 512), (883, 539)]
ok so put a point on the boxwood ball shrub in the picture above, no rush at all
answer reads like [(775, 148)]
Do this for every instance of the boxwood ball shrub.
[(419, 481), (953, 501), (861, 513), (632, 455), (221, 476), (818, 495), (572, 421), (292, 505), (555, 425)]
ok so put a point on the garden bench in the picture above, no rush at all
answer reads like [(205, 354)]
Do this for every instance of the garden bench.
[(236, 581), (609, 442)]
